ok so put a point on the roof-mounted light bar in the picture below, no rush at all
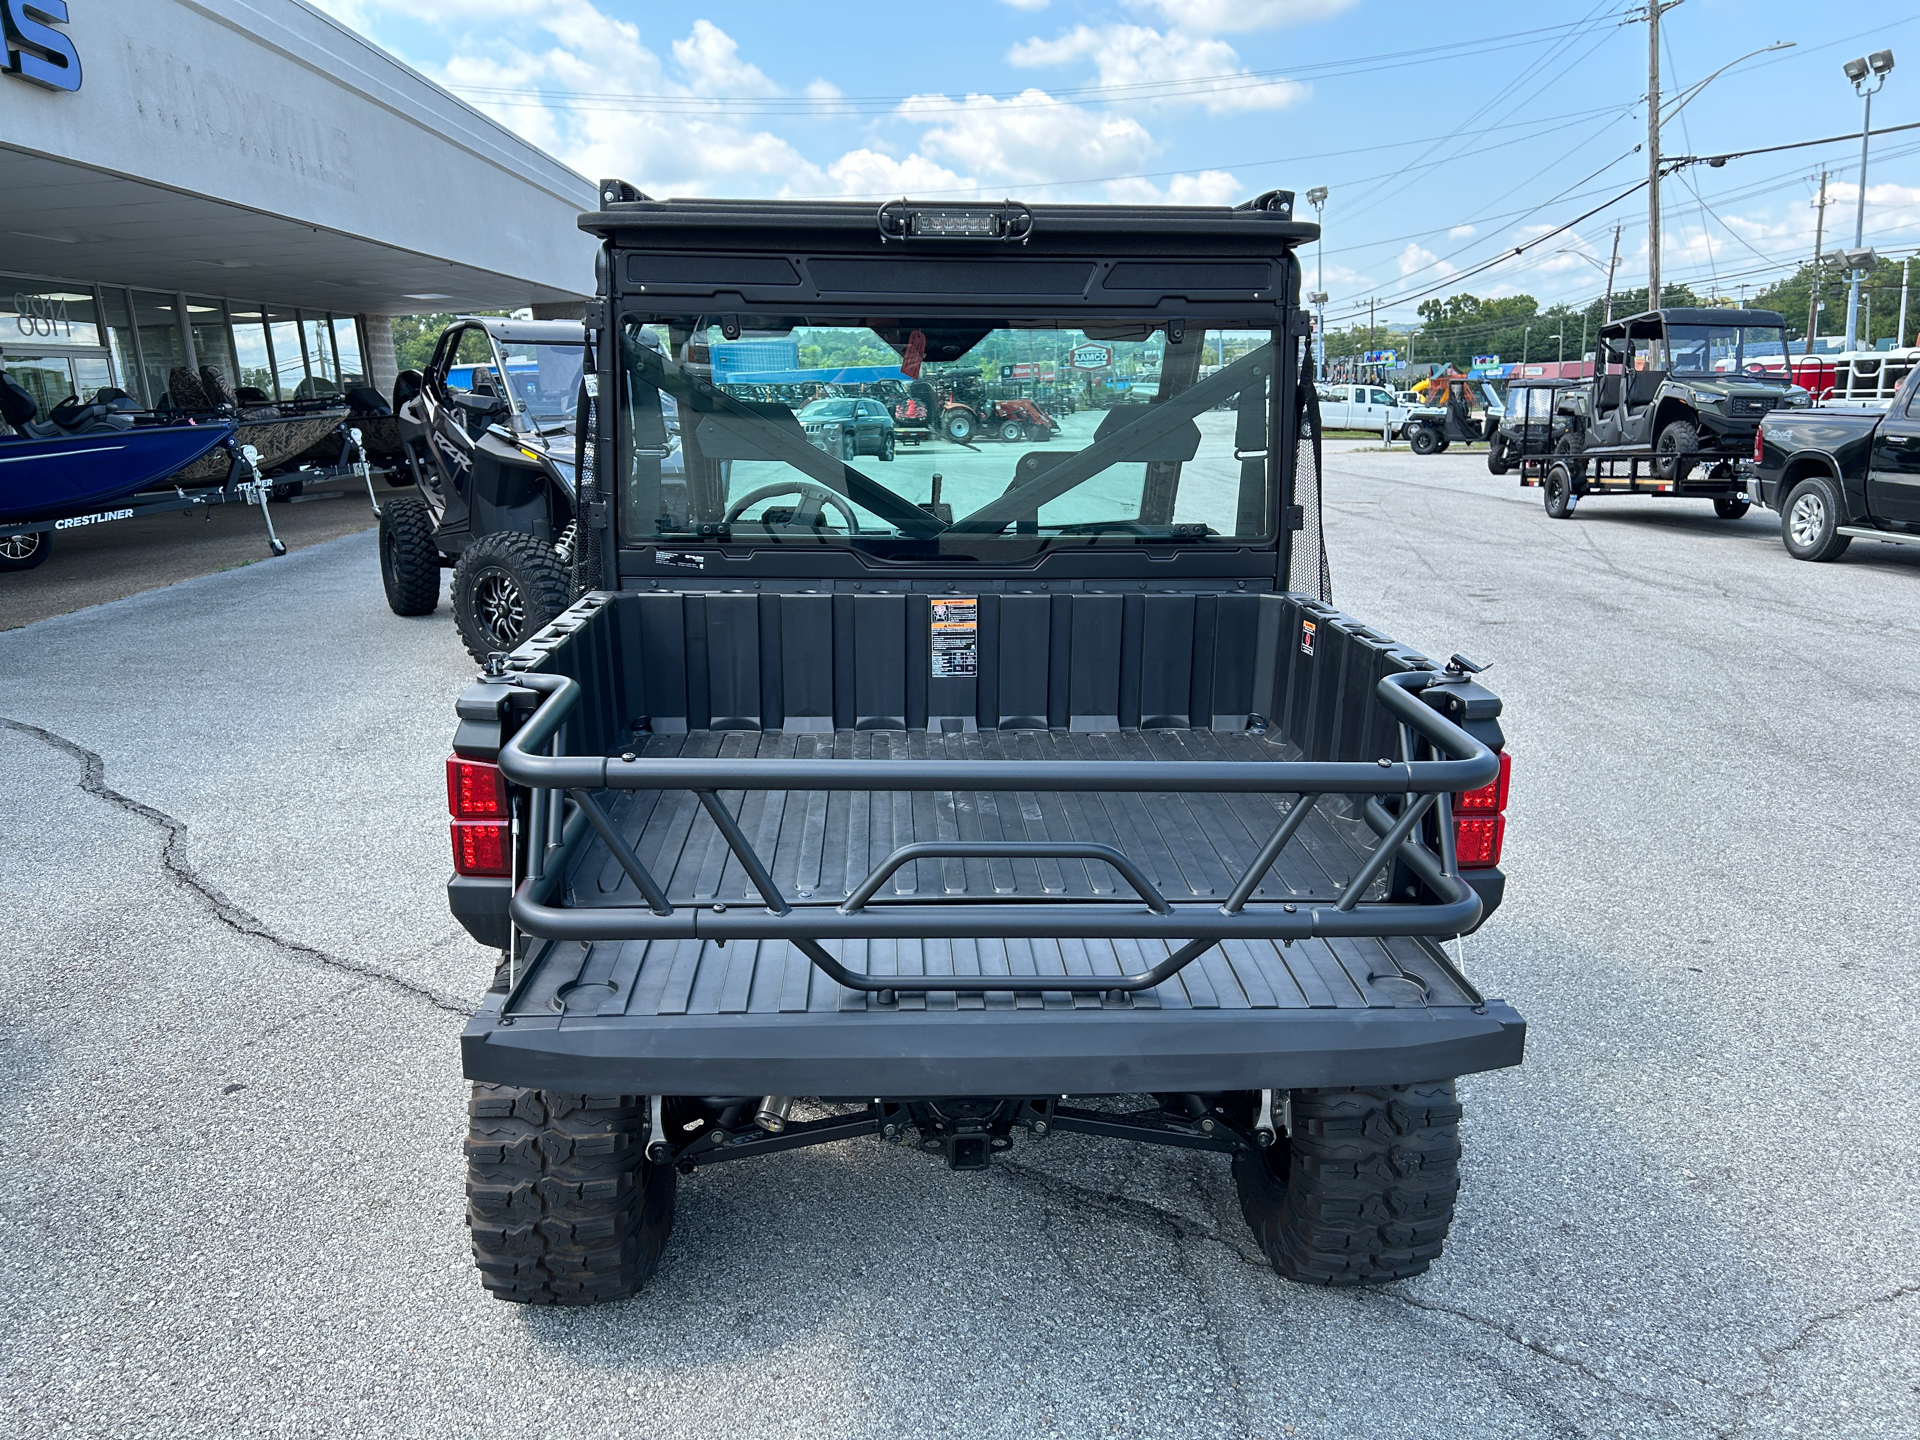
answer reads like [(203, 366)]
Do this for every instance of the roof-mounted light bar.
[(904, 220)]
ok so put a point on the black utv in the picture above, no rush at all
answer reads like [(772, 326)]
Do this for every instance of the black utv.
[(959, 801), (1688, 383), (488, 435)]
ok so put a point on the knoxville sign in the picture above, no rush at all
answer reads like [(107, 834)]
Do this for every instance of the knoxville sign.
[(35, 51)]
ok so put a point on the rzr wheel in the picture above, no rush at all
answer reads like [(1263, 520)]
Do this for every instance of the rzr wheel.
[(409, 560), (23, 552), (1810, 521), (562, 1205), (1423, 440), (506, 586), (959, 426), (1361, 1190), (1675, 447), (1729, 508), (1011, 430), (1557, 490)]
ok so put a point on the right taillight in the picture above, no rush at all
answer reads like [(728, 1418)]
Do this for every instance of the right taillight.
[(1480, 822), (477, 800), (1759, 447)]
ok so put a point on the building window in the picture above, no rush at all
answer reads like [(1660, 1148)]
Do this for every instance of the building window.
[(161, 350), (126, 357), (34, 313), (323, 371), (289, 356), (253, 361), (211, 344), (346, 338)]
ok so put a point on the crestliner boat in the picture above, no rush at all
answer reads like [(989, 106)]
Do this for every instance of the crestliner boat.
[(92, 462)]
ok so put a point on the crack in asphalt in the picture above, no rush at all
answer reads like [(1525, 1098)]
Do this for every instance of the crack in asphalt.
[(1772, 1356), (234, 917), (1142, 1212)]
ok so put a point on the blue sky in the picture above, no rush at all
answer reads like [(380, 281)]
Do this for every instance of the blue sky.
[(1446, 134)]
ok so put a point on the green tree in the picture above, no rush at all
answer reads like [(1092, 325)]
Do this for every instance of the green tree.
[(1879, 302), (414, 336)]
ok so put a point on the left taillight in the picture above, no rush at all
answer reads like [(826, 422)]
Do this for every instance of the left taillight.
[(1480, 822), (1759, 447), (477, 800)]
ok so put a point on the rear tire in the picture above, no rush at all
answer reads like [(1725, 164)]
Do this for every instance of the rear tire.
[(1423, 440), (23, 552), (506, 586), (1362, 1189), (562, 1205), (1810, 521), (886, 447), (1728, 508), (409, 560), (959, 427)]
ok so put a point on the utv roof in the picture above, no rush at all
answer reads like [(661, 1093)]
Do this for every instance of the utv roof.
[(1266, 221), (1649, 321), (532, 332)]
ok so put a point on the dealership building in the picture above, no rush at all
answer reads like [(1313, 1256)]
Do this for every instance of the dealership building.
[(250, 185)]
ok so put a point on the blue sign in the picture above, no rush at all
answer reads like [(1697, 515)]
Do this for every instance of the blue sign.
[(1481, 362), (35, 51), (1381, 357)]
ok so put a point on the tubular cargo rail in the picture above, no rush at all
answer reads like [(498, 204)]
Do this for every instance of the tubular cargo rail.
[(564, 807)]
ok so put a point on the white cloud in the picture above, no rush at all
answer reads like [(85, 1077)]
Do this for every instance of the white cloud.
[(867, 173), (1032, 139), (1417, 259), (1213, 16), (1131, 55), (1026, 4), (710, 59), (1462, 232), (1209, 187)]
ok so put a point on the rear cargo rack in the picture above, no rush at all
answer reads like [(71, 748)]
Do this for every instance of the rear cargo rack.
[(1437, 760)]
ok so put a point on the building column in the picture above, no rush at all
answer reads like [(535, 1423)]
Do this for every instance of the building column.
[(383, 368)]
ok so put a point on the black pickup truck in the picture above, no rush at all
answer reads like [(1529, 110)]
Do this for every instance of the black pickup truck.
[(1837, 475), (1066, 802)]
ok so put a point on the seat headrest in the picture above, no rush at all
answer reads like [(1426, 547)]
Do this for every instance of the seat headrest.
[(188, 391), (17, 405), (252, 395), (214, 381)]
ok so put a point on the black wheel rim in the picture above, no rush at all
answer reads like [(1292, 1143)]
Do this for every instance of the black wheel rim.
[(499, 609)]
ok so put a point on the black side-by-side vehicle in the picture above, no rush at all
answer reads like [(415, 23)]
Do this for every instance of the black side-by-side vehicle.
[(1042, 791)]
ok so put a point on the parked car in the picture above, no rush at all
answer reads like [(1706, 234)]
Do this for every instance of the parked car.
[(1842, 473), (1361, 407), (849, 428), (963, 818)]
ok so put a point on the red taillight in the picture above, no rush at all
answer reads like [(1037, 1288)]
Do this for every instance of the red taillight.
[(1759, 447), (1489, 799), (481, 847), (475, 790), (1479, 820), (1476, 840)]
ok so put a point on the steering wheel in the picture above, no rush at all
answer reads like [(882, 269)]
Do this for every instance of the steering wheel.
[(1756, 368), (814, 499)]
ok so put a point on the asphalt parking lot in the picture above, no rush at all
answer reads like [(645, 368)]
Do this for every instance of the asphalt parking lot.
[(233, 1173)]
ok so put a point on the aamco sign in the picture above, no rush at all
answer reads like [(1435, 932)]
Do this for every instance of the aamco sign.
[(1091, 357)]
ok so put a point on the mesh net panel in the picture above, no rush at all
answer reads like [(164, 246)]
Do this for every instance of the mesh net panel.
[(1308, 573), (586, 536)]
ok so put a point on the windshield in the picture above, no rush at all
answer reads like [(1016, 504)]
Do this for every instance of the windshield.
[(1724, 349), (545, 381), (914, 438)]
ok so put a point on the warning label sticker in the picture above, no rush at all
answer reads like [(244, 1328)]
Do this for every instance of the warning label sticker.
[(955, 647)]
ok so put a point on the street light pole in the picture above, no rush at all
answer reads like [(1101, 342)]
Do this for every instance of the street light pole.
[(1317, 197), (1900, 334), (1874, 68)]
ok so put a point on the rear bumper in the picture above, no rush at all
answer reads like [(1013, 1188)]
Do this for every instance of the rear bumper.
[(938, 1053)]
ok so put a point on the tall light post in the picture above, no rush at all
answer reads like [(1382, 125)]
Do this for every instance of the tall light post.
[(1317, 198), (1563, 346), (1867, 75)]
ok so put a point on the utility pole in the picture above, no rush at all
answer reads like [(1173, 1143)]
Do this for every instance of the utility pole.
[(1819, 238), (1655, 9), (1612, 265)]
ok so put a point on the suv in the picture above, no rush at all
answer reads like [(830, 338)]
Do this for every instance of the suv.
[(1689, 382), (849, 428), (489, 439), (840, 811)]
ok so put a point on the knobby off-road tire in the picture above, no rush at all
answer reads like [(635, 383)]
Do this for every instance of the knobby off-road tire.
[(1497, 458), (1810, 521), (563, 1206), (1676, 446), (1362, 1190), (506, 586), (1423, 440), (409, 561)]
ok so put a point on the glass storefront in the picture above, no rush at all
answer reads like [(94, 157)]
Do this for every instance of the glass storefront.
[(61, 338)]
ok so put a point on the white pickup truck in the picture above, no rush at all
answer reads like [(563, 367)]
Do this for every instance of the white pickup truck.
[(1361, 407)]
